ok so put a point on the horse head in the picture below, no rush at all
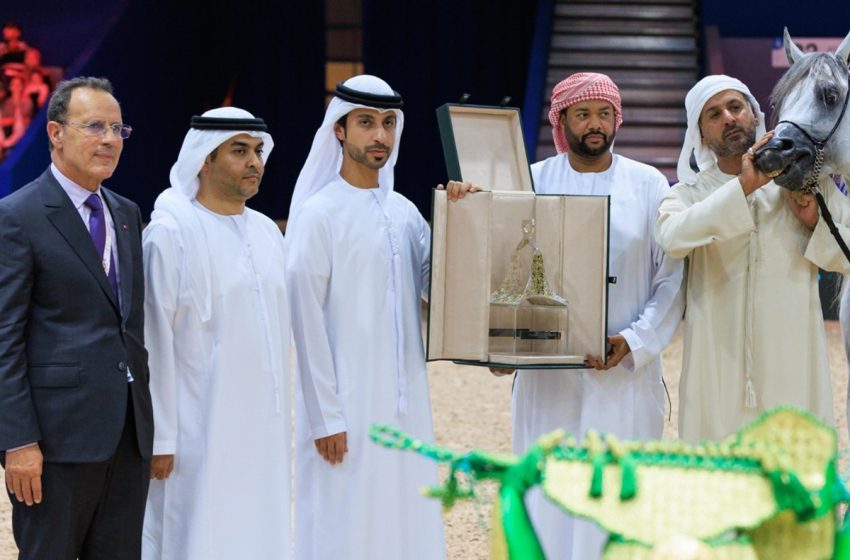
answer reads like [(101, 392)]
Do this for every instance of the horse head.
[(809, 105)]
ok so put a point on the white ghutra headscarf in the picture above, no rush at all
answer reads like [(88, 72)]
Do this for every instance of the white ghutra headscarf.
[(174, 205), (325, 158), (696, 99)]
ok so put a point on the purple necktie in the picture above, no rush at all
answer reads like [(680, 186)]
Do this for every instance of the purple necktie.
[(97, 230)]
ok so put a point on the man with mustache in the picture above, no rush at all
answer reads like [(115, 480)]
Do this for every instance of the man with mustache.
[(357, 270), (219, 339), (625, 395), (75, 410), (754, 334)]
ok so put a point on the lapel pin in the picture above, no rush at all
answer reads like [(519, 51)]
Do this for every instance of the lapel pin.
[(124, 226)]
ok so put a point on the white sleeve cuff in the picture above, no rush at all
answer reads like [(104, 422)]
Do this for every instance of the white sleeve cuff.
[(21, 447), (164, 447)]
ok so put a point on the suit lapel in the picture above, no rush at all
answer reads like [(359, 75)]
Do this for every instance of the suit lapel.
[(66, 219), (121, 221)]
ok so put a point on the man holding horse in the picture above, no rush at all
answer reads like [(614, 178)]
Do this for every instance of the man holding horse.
[(754, 333)]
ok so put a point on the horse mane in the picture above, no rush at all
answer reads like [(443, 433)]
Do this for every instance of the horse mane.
[(816, 65)]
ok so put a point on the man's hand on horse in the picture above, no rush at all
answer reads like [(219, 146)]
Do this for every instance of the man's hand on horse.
[(804, 206), (458, 189), (751, 177)]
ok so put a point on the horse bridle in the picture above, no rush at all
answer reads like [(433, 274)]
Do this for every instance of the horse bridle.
[(810, 186)]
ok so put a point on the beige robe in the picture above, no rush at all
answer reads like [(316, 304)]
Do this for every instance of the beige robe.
[(753, 307)]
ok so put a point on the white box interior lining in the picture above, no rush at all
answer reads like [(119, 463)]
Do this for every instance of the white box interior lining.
[(473, 241), (479, 133)]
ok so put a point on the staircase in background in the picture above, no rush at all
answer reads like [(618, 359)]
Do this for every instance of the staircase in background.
[(649, 48)]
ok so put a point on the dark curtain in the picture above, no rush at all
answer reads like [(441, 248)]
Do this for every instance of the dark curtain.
[(766, 18), (432, 53), (170, 60)]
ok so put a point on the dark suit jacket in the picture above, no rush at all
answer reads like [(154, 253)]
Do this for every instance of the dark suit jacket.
[(65, 344)]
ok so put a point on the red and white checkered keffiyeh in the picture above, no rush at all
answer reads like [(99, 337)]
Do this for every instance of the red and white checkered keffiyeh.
[(580, 87)]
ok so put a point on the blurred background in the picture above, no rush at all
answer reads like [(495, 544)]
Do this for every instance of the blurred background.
[(279, 59)]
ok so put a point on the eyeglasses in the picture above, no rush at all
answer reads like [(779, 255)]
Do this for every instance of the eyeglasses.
[(99, 128)]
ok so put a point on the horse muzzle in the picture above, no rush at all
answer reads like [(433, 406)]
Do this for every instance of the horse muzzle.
[(787, 158)]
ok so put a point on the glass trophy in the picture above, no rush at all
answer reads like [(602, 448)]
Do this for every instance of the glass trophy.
[(530, 319)]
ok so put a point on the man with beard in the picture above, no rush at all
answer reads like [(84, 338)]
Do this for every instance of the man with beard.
[(357, 268), (625, 395), (218, 333), (754, 334)]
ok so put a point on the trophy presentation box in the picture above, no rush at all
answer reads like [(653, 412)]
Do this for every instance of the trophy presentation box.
[(517, 279)]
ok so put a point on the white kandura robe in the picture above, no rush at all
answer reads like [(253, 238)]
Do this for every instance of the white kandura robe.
[(753, 301), (645, 306), (357, 268), (220, 390)]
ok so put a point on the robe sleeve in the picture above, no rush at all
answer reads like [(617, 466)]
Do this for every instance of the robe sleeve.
[(162, 265), (308, 274), (425, 251), (653, 329), (823, 250), (684, 224)]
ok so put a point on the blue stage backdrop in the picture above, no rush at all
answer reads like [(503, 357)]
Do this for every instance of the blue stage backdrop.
[(766, 18), (432, 53), (170, 60)]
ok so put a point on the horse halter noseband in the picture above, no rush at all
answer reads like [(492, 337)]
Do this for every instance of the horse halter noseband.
[(811, 183)]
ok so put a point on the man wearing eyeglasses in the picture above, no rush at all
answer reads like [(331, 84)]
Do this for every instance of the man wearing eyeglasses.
[(76, 426)]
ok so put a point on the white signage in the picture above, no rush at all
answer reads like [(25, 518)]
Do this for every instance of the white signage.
[(806, 44)]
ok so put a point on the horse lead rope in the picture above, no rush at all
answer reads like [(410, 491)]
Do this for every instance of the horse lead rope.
[(829, 222)]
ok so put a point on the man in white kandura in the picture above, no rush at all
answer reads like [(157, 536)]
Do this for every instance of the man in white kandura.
[(219, 340), (626, 396), (754, 334), (357, 268)]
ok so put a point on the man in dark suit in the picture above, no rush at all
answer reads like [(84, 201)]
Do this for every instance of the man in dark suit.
[(76, 425)]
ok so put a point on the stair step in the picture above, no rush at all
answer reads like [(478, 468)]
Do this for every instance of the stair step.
[(666, 28), (654, 98), (656, 136), (644, 60), (655, 11), (649, 48), (655, 116), (649, 99), (635, 78), (624, 43), (662, 156)]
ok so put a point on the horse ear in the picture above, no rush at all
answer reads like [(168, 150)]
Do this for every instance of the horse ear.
[(843, 50), (792, 51)]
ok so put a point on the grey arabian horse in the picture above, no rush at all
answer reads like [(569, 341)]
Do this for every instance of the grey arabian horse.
[(812, 134)]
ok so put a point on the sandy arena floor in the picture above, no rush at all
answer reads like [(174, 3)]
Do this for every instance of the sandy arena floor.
[(472, 410)]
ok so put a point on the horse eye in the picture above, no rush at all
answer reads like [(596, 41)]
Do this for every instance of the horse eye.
[(830, 95)]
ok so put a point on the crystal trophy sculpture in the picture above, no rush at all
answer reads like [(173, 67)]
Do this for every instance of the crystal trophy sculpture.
[(531, 319)]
